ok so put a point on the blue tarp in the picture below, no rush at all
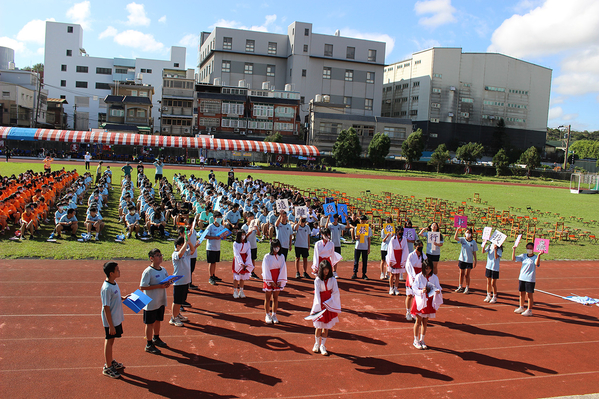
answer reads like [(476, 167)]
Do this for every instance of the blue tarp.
[(21, 133)]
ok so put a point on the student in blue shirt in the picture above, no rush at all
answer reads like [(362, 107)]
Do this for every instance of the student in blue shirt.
[(213, 246), (492, 270), (94, 222), (132, 222), (467, 259), (159, 165), (68, 221), (527, 277)]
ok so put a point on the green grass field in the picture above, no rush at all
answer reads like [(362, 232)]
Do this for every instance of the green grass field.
[(500, 196)]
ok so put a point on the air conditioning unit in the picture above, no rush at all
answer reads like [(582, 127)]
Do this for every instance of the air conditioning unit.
[(250, 132), (242, 133), (236, 130), (165, 108), (186, 130), (296, 133), (450, 114), (165, 129), (452, 88)]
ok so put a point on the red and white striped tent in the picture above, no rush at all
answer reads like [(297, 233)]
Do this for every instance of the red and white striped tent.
[(116, 138)]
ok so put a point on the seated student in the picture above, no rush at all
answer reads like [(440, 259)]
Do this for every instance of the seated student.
[(41, 209), (68, 222), (124, 206), (132, 222), (233, 220), (28, 222), (157, 222), (4, 216), (94, 222), (60, 212)]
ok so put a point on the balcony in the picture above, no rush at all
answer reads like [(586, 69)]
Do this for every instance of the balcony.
[(137, 121), (185, 111)]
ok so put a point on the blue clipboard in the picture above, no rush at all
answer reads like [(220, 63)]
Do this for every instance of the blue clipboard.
[(329, 208), (171, 279), (137, 301)]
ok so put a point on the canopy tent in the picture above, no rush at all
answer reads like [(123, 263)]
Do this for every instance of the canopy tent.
[(117, 138)]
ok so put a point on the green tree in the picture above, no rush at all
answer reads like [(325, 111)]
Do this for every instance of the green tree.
[(470, 152), (275, 138), (36, 68), (499, 137), (531, 159), (412, 147), (347, 148), (586, 149), (378, 148), (439, 157), (501, 161)]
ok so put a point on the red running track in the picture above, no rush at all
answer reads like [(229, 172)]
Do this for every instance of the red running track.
[(51, 339)]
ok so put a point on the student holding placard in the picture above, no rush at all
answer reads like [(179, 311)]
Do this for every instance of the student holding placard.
[(434, 242), (242, 263), (251, 229), (467, 259), (325, 250), (284, 233), (181, 266), (302, 246), (397, 254), (337, 230), (427, 299), (327, 299), (274, 275), (413, 267), (154, 311), (386, 234), (112, 317), (362, 248), (527, 277), (407, 228), (213, 246), (494, 253)]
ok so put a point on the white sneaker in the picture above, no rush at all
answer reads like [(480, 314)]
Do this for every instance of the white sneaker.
[(488, 298), (409, 316), (466, 290), (316, 348), (396, 291), (235, 294), (323, 350), (423, 345), (527, 313), (391, 291), (241, 294), (416, 344), (268, 319), (519, 310), (182, 318), (274, 319), (382, 276), (175, 322), (493, 300)]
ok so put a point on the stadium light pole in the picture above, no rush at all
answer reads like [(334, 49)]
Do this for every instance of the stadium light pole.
[(567, 145)]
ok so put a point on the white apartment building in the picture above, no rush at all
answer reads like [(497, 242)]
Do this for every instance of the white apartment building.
[(459, 97), (348, 70), (70, 73), (30, 81)]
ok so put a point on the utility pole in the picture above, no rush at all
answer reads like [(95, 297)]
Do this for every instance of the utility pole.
[(75, 117), (39, 98), (567, 147)]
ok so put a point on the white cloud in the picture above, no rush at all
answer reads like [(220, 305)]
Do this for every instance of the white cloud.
[(162, 19), (379, 37), (34, 31), (40, 51), (576, 83), (556, 100), (80, 13), (17, 46), (555, 113), (548, 29), (138, 40), (425, 44), (109, 32), (269, 21), (189, 40), (586, 60), (569, 117), (442, 10), (137, 15), (527, 5)]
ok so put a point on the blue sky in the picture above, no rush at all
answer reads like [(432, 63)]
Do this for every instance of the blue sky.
[(559, 34)]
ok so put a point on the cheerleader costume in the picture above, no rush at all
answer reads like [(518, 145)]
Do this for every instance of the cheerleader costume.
[(324, 251), (326, 297), (274, 270), (397, 254), (242, 261), (426, 305), (413, 267)]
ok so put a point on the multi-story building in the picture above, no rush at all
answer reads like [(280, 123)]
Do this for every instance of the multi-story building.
[(56, 117), (17, 105), (459, 97), (326, 120), (348, 70), (84, 81), (129, 108), (178, 91), (29, 80), (242, 111)]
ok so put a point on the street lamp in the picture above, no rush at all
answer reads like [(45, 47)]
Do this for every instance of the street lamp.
[(567, 144)]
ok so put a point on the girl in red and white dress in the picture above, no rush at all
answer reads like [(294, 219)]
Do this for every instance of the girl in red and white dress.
[(325, 249), (274, 275), (397, 254), (326, 297), (242, 264), (413, 267), (428, 298)]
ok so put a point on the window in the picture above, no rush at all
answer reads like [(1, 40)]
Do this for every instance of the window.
[(102, 86), (465, 114), (486, 102), (232, 108), (63, 68), (403, 113), (284, 112), (226, 66), (209, 121), (369, 77), (328, 50), (414, 98), (117, 112), (63, 83), (302, 100), (263, 110), (350, 53), (435, 120), (210, 107), (176, 64), (227, 43), (142, 70), (148, 71), (250, 44), (516, 106), (69, 29), (6, 94), (405, 85), (435, 105), (413, 112), (437, 75), (349, 75), (134, 93), (236, 123), (305, 48), (63, 97), (284, 126), (467, 85), (69, 53), (304, 72), (81, 84), (103, 71), (120, 70), (270, 70), (347, 101), (101, 117), (371, 55), (248, 68), (82, 69), (407, 64), (417, 62), (368, 104), (272, 48), (326, 72), (416, 84), (395, 132), (466, 100), (141, 113), (143, 93), (491, 88), (306, 32), (436, 90), (516, 120)]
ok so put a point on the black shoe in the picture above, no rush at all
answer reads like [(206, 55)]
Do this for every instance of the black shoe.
[(254, 275), (193, 286), (365, 277), (354, 276), (159, 342), (298, 275), (306, 275), (152, 349), (187, 304), (217, 278)]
